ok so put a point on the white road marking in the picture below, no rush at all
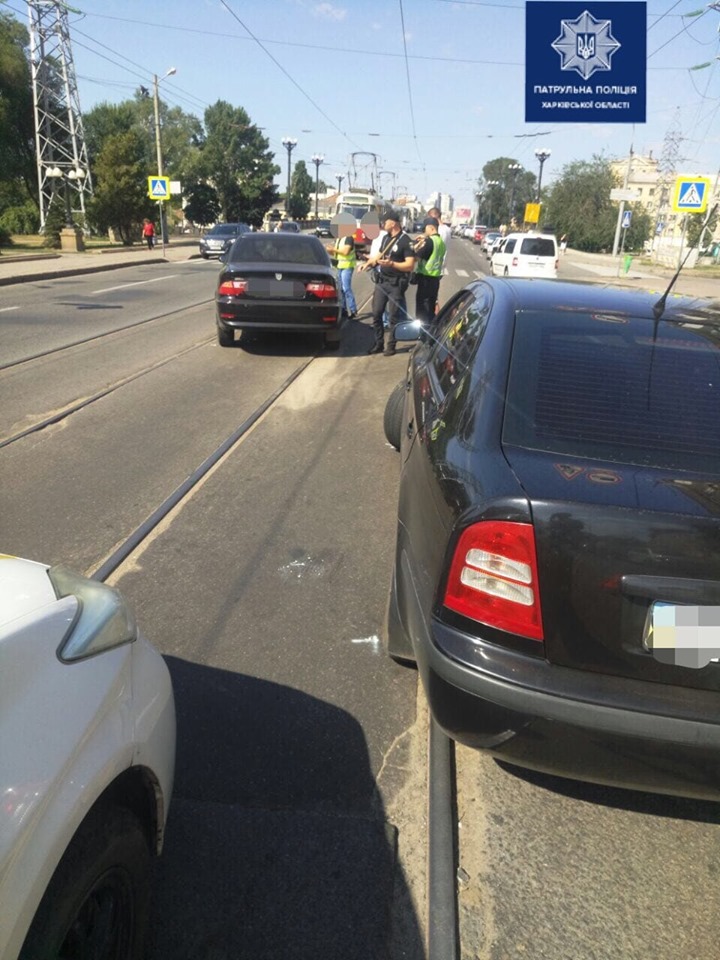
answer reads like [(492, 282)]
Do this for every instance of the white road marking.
[(462, 273), (139, 283), (373, 641), (5, 309), (478, 273)]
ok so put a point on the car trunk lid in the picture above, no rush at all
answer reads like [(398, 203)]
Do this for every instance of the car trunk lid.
[(613, 542)]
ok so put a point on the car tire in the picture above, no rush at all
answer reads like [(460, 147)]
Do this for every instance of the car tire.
[(204, 256), (506, 272), (226, 338), (331, 341), (100, 889), (392, 418)]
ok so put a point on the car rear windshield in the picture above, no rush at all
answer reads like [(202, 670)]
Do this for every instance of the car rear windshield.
[(611, 387), (276, 248), (538, 247), (229, 229)]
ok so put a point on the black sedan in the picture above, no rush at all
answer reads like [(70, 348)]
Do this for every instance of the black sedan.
[(557, 574), (277, 282)]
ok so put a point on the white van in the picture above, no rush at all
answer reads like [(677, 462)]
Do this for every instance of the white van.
[(526, 255)]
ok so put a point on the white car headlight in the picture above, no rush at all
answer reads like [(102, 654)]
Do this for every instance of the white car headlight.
[(103, 618)]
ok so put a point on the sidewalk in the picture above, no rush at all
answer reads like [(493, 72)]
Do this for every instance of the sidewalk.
[(642, 276), (52, 265)]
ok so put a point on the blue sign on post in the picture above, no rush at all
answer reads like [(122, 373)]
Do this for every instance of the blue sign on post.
[(585, 62), (627, 217)]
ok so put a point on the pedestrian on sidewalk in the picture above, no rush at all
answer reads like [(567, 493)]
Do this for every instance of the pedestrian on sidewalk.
[(148, 232), (563, 244)]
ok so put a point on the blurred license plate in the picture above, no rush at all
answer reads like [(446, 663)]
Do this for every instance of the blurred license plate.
[(686, 635), (282, 288)]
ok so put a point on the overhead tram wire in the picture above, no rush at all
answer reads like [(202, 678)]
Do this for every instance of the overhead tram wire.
[(289, 76), (409, 85)]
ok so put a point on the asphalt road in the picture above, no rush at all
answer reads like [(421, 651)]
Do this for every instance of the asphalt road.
[(297, 826)]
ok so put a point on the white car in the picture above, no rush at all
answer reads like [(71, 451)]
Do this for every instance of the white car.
[(87, 740), (526, 255)]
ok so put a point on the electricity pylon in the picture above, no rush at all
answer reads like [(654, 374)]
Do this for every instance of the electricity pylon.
[(59, 139)]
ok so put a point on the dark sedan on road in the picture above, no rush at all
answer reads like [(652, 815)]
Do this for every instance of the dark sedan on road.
[(557, 573), (219, 238), (279, 283)]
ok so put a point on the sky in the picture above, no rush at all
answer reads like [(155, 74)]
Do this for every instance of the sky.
[(434, 88)]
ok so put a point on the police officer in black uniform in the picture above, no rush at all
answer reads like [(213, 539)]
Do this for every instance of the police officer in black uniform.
[(394, 263)]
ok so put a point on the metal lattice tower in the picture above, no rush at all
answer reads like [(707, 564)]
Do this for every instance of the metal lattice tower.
[(59, 137), (667, 166)]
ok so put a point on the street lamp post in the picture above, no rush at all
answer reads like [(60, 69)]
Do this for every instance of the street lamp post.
[(490, 184), (514, 169), (70, 236), (340, 179), (317, 159), (158, 149), (542, 156), (289, 143), (478, 197)]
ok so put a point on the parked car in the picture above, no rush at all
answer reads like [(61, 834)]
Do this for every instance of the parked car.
[(87, 739), (468, 232), (526, 255), (323, 229), (215, 240), (280, 283), (497, 245), (558, 515), (288, 226), (489, 239), (479, 233)]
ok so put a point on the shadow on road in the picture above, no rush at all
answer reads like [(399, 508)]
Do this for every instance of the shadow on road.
[(277, 846)]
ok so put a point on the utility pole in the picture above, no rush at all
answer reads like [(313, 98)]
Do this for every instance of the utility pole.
[(317, 159), (158, 150), (289, 143), (514, 169), (340, 179), (542, 156), (621, 211)]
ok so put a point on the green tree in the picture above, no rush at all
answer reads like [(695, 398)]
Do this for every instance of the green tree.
[(17, 130), (121, 200), (55, 218), (694, 231), (579, 204), (516, 187), (236, 159), (202, 206), (301, 186)]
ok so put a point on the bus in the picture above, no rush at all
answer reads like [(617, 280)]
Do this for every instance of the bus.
[(366, 207)]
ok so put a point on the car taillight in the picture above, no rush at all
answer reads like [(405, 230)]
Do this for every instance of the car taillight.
[(493, 577), (232, 288), (322, 290)]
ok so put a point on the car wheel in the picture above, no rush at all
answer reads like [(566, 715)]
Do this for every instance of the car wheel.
[(204, 256), (226, 338), (331, 341), (392, 419), (96, 905), (506, 272)]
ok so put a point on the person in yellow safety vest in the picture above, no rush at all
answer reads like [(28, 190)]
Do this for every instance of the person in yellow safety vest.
[(343, 251), (431, 251)]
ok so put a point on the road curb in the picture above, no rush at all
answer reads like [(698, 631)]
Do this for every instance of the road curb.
[(90, 268)]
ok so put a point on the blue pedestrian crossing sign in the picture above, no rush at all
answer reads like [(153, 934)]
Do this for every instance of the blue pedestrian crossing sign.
[(691, 194), (159, 188), (627, 217)]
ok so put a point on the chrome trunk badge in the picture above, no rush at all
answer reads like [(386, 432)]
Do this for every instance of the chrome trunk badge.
[(278, 276)]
